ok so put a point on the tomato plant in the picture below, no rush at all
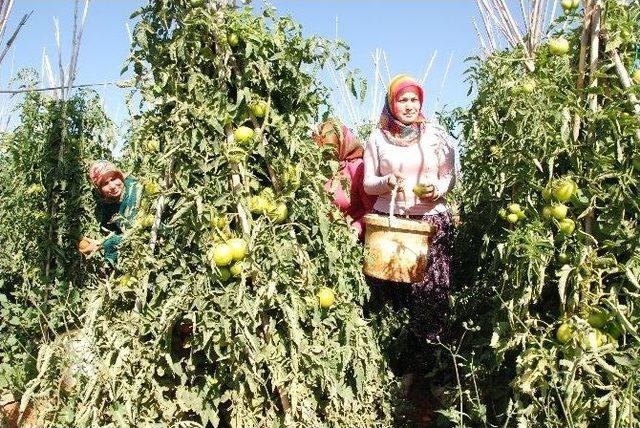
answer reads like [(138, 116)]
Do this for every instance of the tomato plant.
[(262, 351), (546, 303), (47, 205)]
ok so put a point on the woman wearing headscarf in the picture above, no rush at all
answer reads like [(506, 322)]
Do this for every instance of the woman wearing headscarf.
[(346, 186), (118, 206), (407, 151)]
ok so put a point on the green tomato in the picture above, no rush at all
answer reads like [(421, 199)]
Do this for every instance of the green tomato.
[(279, 213), (546, 211), (512, 218), (502, 213), (564, 190), (243, 134), (239, 248), (258, 204), (514, 208), (558, 46), (559, 211), (563, 258), (35, 189), (567, 226), (593, 339), (326, 297), (221, 221), (259, 109), (546, 194), (598, 318), (222, 255), (529, 86), (564, 334), (233, 39), (153, 146), (147, 221), (236, 269), (151, 187)]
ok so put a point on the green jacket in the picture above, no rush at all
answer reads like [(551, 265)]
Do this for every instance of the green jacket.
[(116, 217)]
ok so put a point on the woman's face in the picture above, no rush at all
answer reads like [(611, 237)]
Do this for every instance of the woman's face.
[(407, 107), (113, 188)]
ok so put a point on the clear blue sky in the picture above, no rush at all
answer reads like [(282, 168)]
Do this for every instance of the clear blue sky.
[(409, 32)]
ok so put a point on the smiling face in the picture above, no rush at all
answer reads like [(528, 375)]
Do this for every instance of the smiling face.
[(407, 107), (112, 188)]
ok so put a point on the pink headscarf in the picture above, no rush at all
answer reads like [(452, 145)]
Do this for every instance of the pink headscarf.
[(101, 171)]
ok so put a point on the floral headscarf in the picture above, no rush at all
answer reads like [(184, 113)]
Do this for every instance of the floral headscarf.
[(102, 171), (338, 135), (394, 130)]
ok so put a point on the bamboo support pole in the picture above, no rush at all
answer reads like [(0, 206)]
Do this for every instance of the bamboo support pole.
[(425, 76), (625, 80), (594, 53), (582, 63), (444, 80), (483, 44), (376, 86), (5, 11), (162, 200), (552, 13), (487, 26), (14, 35), (77, 39), (386, 66), (499, 23)]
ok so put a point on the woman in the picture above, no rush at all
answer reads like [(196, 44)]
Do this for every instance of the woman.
[(416, 157), (345, 186), (117, 209)]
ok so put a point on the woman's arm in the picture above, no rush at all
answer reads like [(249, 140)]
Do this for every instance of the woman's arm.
[(110, 247), (373, 183)]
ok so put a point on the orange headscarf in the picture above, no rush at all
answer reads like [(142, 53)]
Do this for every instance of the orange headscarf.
[(333, 133)]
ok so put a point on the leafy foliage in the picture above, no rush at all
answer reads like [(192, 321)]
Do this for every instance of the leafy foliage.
[(46, 205), (180, 341), (519, 149)]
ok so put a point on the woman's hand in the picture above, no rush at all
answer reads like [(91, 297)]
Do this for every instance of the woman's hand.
[(396, 180), (88, 246)]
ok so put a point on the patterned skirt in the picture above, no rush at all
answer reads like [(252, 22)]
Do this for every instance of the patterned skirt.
[(427, 301)]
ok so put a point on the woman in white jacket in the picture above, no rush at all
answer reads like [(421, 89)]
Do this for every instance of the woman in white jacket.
[(417, 157)]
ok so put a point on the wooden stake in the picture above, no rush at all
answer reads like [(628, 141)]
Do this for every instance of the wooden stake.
[(582, 62), (594, 54), (625, 80), (433, 57), (593, 98), (14, 35)]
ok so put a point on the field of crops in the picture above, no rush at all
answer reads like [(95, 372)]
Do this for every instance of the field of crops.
[(238, 298)]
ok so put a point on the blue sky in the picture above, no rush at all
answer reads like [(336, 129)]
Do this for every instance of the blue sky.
[(409, 32)]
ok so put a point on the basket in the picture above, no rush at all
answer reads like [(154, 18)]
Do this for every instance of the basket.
[(396, 249)]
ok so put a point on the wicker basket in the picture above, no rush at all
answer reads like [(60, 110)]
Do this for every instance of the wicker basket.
[(396, 249)]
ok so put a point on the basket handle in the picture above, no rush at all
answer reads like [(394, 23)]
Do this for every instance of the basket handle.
[(392, 204)]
